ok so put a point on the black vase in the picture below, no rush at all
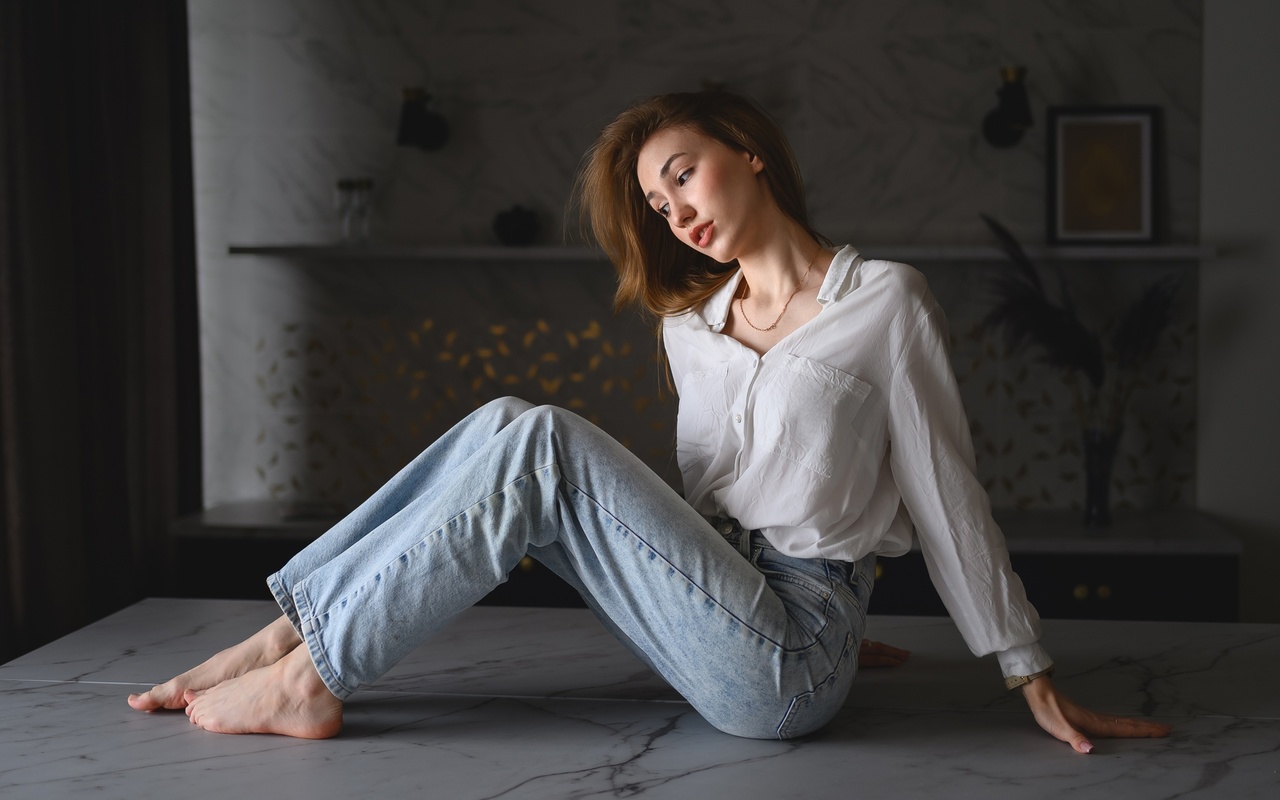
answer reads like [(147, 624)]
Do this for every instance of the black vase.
[(516, 226), (1100, 448)]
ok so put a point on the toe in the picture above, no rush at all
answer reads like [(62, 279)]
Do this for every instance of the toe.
[(149, 700)]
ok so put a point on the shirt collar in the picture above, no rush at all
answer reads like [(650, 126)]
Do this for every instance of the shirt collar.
[(841, 278), (715, 311)]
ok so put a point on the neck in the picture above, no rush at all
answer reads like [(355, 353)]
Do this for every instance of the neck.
[(774, 270)]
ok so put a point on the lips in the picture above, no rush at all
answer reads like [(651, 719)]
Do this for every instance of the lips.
[(701, 235)]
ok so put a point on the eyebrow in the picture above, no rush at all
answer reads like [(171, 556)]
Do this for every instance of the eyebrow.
[(662, 173)]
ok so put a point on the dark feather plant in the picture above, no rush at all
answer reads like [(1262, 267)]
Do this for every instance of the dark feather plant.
[(1028, 316)]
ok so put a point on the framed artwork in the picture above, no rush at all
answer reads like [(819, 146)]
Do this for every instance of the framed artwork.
[(1102, 174)]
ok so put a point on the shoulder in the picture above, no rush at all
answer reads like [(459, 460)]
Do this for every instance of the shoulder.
[(900, 289), (675, 321), (901, 278)]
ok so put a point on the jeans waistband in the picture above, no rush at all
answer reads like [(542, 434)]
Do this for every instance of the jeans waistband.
[(727, 527)]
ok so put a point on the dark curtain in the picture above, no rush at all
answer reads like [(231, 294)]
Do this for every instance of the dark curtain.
[(99, 395)]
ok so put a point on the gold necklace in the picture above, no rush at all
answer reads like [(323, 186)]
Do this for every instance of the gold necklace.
[(800, 286)]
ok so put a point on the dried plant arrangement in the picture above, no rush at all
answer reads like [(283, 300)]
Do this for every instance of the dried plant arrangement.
[(1028, 314)]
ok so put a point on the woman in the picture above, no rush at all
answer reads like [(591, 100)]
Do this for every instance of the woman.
[(818, 420)]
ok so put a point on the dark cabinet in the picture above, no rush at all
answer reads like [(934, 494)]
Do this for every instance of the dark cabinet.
[(1174, 564)]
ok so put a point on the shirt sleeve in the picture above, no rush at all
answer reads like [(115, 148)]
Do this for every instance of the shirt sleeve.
[(931, 455)]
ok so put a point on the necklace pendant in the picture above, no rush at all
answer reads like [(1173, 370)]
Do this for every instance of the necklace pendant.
[(743, 311)]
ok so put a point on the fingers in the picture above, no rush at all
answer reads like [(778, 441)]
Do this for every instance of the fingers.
[(879, 654), (1076, 725), (1078, 741), (1114, 727)]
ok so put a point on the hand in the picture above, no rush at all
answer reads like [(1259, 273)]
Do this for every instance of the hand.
[(1074, 724), (879, 654)]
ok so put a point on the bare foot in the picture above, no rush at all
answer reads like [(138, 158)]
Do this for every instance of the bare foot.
[(267, 646), (286, 697)]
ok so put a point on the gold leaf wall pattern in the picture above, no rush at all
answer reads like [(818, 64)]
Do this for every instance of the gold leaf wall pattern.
[(350, 392), (354, 399), (1027, 436)]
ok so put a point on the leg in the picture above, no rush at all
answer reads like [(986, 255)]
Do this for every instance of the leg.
[(763, 649), (422, 476)]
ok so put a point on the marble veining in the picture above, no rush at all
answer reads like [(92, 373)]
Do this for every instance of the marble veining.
[(542, 703)]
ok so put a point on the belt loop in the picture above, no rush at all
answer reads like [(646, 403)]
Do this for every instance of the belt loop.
[(744, 541)]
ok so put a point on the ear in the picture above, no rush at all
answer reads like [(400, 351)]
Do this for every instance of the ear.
[(757, 166)]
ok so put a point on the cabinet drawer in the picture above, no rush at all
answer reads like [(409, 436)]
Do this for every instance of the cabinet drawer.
[(1201, 588)]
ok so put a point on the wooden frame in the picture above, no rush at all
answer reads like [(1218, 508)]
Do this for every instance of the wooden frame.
[(1102, 174)]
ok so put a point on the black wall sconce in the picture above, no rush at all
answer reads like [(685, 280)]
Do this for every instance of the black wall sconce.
[(1011, 118), (419, 125)]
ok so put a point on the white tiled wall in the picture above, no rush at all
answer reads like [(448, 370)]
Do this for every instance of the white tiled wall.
[(883, 100)]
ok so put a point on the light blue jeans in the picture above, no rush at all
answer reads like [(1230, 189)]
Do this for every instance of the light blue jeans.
[(761, 644)]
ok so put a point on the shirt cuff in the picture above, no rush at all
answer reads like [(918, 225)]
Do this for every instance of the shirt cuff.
[(1026, 659)]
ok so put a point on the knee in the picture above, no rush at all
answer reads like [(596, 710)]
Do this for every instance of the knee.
[(552, 418), (507, 408)]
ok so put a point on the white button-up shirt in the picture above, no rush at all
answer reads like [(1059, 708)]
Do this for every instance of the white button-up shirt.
[(845, 433)]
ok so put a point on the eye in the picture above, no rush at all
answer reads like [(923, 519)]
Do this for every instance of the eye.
[(683, 176), (664, 209)]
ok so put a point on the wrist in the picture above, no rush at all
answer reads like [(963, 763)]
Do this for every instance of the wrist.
[(1014, 681)]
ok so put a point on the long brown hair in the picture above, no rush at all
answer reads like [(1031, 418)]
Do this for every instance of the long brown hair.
[(655, 270)]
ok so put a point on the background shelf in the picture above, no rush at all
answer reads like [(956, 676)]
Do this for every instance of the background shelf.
[(906, 253)]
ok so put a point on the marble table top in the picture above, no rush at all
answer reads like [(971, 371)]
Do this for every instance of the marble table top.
[(541, 703)]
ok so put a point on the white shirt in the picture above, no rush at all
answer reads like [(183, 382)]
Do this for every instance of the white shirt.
[(845, 433)]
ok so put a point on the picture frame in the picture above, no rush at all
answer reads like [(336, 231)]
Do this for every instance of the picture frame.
[(1102, 176)]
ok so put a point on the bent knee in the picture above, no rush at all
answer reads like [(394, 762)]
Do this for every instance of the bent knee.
[(554, 417), (508, 408)]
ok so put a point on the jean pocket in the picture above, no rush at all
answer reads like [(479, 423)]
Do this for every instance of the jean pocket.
[(813, 709), (804, 585)]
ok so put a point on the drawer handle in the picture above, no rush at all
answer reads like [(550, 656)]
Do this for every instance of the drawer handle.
[(1081, 592)]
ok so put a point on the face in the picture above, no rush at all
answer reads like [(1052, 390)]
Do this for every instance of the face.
[(709, 194)]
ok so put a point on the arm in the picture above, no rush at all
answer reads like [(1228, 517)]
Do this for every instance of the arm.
[(932, 459), (933, 464)]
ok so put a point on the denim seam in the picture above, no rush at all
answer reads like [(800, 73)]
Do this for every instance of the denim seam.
[(440, 529), (806, 698), (781, 647), (304, 607), (285, 601), (319, 656)]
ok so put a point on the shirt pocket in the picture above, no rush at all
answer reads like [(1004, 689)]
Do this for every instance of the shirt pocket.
[(806, 413), (702, 415)]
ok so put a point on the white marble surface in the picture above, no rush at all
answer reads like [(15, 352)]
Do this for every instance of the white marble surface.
[(541, 703)]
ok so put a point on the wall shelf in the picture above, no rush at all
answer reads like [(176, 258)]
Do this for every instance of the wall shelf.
[(907, 253), (322, 252)]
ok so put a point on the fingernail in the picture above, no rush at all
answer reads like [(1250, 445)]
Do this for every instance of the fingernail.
[(1086, 747)]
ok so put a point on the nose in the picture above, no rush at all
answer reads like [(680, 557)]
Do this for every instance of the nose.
[(681, 214)]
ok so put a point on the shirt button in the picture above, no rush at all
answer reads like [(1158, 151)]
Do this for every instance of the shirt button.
[(737, 418), (726, 528)]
